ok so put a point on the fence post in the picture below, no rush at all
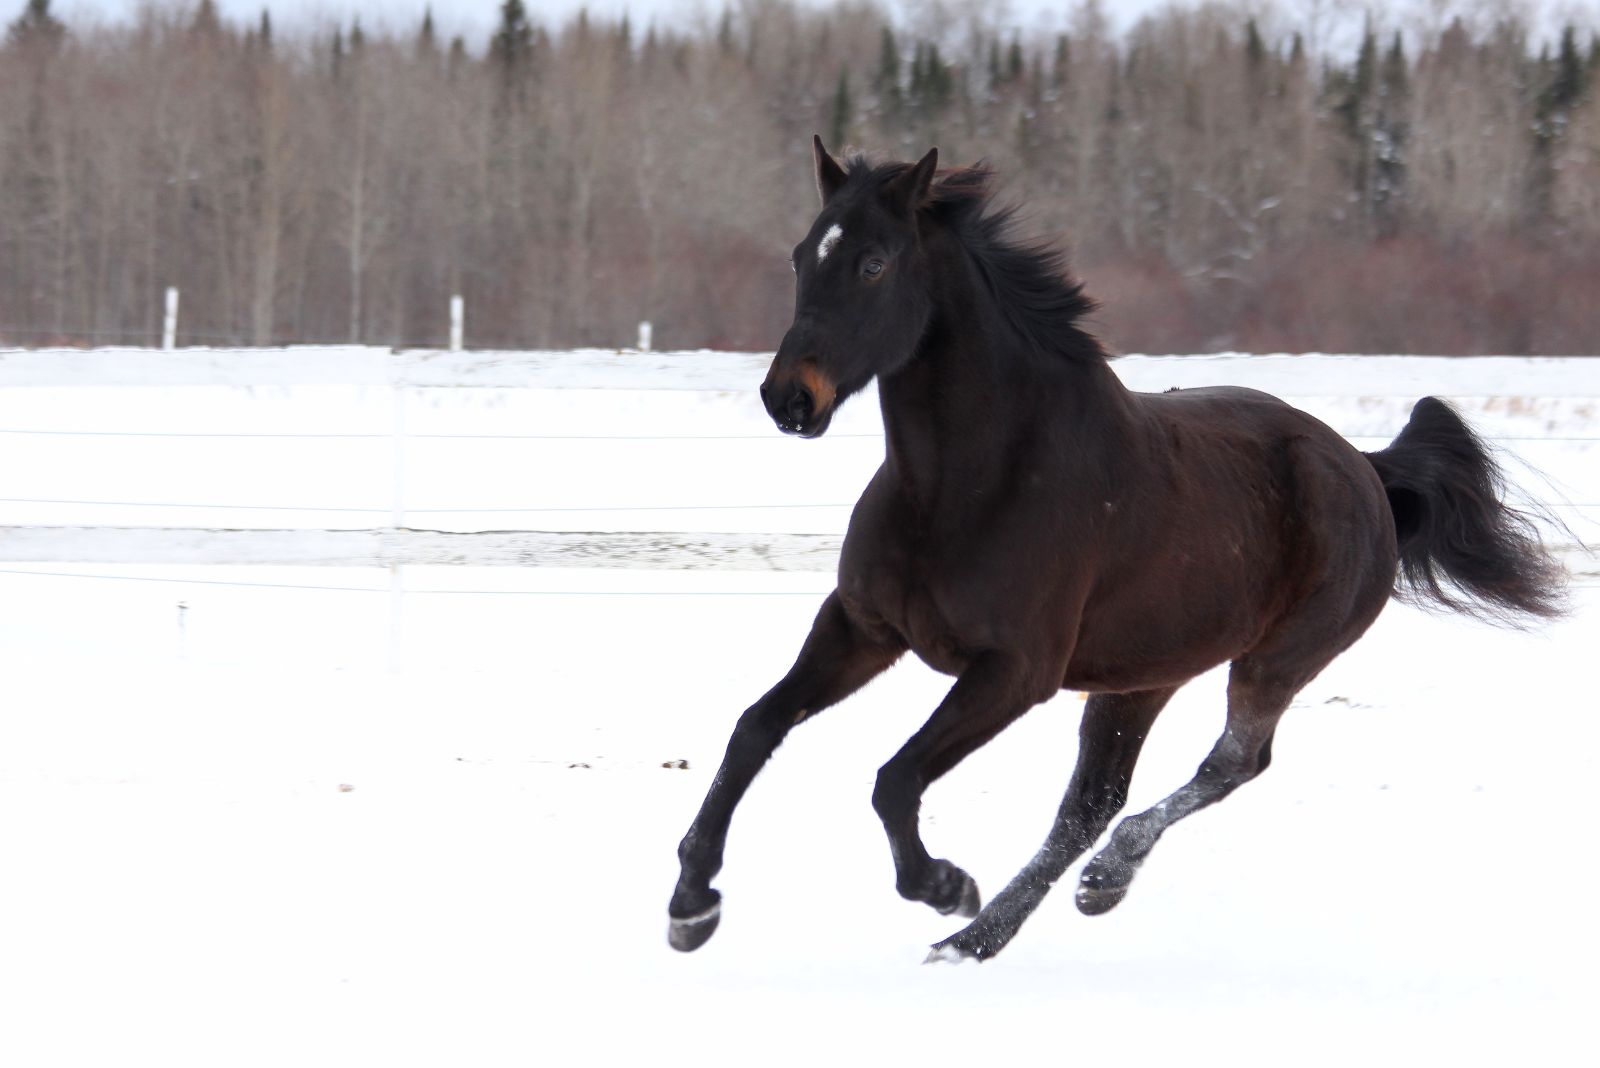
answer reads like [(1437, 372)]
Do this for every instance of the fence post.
[(397, 513), (169, 322), (644, 336), (457, 308)]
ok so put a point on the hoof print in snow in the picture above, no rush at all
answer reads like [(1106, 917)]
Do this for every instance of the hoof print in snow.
[(677, 765)]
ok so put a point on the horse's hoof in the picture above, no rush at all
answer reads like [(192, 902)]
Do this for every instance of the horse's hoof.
[(964, 945), (964, 901), (1098, 902), (688, 933), (1100, 891), (945, 953)]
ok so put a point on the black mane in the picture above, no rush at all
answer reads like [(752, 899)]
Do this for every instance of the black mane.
[(1028, 279)]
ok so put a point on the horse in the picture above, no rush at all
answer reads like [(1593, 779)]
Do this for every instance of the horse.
[(1036, 526)]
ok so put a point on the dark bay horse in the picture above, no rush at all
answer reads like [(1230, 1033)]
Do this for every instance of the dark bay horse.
[(1037, 526)]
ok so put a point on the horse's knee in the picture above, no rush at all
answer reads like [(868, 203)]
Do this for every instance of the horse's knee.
[(892, 793)]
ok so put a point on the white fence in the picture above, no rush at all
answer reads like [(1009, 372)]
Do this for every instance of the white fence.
[(1537, 408)]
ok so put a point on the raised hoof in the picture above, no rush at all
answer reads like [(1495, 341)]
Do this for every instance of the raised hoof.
[(956, 893), (1097, 902), (1100, 891), (688, 933)]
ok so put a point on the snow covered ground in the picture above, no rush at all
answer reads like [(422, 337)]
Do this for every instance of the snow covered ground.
[(230, 834)]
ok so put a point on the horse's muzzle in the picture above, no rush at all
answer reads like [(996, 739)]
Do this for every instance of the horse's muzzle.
[(800, 402)]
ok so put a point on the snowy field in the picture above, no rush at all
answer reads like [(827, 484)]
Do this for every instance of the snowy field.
[(257, 816)]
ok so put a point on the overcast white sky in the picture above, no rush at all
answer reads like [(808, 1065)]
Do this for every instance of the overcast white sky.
[(475, 18)]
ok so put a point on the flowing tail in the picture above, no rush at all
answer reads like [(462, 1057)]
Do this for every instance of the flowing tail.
[(1461, 545)]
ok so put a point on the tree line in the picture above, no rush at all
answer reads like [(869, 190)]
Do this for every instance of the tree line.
[(1223, 179)]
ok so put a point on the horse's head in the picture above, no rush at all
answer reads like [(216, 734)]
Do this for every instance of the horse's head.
[(862, 294)]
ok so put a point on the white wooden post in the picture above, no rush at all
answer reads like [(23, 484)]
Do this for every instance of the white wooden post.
[(397, 495), (644, 336), (397, 519), (169, 323), (457, 307)]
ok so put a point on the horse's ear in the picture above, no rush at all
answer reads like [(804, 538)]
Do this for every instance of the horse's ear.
[(830, 176), (913, 189)]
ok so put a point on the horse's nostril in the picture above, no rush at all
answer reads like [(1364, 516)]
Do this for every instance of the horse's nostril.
[(800, 406)]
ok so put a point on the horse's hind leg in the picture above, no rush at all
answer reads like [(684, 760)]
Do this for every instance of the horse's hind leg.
[(1257, 699), (1113, 731), (836, 660)]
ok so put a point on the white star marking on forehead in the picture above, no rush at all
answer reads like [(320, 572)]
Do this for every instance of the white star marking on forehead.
[(829, 239)]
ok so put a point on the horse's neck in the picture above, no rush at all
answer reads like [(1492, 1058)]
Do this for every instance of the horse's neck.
[(961, 417)]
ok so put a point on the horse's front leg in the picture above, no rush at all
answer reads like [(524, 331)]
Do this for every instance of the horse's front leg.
[(990, 694), (836, 660)]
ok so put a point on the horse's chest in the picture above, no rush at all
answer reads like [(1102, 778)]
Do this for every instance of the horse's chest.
[(895, 593), (890, 605)]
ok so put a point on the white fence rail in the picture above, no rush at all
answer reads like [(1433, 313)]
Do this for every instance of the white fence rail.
[(431, 548), (1523, 402)]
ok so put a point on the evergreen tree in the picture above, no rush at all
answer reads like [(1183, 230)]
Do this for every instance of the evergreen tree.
[(938, 81), (1255, 52), (36, 28), (1562, 83), (264, 33), (1567, 80), (1355, 92), (427, 44), (207, 24), (839, 112), (1014, 61), (511, 48), (886, 82), (1389, 132), (1061, 73)]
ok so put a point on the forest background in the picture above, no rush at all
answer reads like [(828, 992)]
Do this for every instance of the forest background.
[(1224, 179)]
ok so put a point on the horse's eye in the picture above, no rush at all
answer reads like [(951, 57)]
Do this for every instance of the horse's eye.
[(873, 268)]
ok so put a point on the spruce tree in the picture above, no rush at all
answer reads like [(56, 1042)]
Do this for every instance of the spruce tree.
[(36, 28), (207, 23), (427, 44), (839, 112), (511, 48), (1255, 52), (886, 82), (1389, 134)]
